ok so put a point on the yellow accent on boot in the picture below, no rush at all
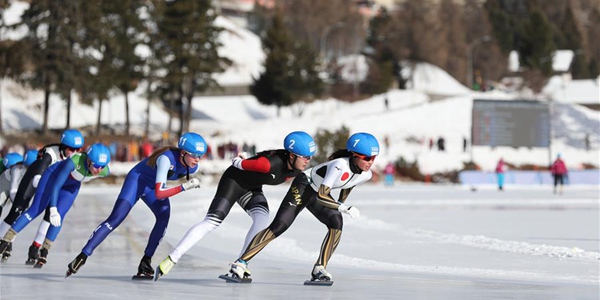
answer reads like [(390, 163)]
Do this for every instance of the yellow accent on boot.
[(10, 235), (166, 265)]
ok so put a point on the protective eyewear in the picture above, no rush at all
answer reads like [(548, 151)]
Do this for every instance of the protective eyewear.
[(303, 157), (73, 149), (96, 166), (194, 155), (364, 157)]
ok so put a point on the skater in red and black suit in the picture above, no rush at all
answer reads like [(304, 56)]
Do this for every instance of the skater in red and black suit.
[(242, 183)]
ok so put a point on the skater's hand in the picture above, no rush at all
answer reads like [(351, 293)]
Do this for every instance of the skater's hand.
[(351, 210), (237, 161), (54, 217), (194, 183)]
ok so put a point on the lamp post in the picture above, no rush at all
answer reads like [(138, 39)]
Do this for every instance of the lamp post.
[(325, 33), (472, 45)]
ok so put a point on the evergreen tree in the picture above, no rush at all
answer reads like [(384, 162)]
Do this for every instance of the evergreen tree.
[(51, 43), (537, 47), (290, 69), (185, 48)]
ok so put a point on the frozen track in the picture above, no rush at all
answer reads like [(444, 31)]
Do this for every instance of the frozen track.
[(412, 243)]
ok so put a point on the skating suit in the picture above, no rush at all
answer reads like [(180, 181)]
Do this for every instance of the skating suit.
[(58, 188), (146, 182)]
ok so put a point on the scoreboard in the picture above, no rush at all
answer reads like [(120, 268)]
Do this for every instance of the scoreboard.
[(515, 123)]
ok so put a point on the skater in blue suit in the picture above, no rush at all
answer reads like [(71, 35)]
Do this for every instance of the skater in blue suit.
[(58, 189), (147, 180)]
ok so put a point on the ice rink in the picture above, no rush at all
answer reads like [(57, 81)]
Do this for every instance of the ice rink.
[(411, 242)]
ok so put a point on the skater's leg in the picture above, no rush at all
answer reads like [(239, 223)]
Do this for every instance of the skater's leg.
[(258, 209), (120, 211)]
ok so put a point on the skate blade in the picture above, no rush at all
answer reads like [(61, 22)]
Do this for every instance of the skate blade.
[(38, 266), (30, 263), (232, 279), (142, 277), (319, 282)]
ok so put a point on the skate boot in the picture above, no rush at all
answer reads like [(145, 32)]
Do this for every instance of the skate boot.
[(164, 268), (77, 263), (42, 259), (239, 272), (145, 270), (7, 251), (239, 269), (33, 254), (319, 273)]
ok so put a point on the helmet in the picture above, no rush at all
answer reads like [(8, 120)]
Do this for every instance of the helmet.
[(12, 159), (99, 155), (30, 157), (192, 143), (72, 138), (300, 143), (363, 143)]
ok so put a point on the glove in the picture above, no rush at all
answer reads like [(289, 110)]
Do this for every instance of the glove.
[(237, 161), (54, 217), (351, 210), (194, 183)]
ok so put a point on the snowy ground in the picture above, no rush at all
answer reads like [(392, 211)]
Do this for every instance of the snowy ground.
[(411, 242)]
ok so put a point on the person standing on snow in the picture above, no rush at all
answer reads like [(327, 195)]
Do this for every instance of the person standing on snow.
[(148, 181), (559, 172), (71, 142), (242, 183), (345, 169), (58, 188)]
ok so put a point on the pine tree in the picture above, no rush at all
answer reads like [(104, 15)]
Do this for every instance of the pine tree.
[(185, 46), (537, 47), (290, 69)]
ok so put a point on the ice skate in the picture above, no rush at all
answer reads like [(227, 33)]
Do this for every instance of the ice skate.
[(320, 276), (164, 268), (77, 263), (238, 273), (33, 254), (145, 270), (5, 249), (42, 259)]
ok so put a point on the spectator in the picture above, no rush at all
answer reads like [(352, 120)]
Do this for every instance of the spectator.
[(389, 174), (441, 144), (500, 170), (559, 172)]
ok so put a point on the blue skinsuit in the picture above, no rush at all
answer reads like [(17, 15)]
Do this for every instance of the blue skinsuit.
[(140, 183), (58, 187)]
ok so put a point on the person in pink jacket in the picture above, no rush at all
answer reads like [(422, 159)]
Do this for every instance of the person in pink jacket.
[(500, 170), (559, 172)]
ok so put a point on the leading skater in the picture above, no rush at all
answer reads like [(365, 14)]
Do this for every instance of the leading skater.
[(148, 181), (345, 169), (58, 188), (242, 183)]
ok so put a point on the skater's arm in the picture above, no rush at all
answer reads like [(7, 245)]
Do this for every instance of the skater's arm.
[(344, 194), (16, 174), (64, 170), (260, 164), (161, 191)]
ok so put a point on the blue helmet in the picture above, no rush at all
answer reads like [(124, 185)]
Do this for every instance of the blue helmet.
[(12, 159), (72, 138), (363, 143), (30, 157), (99, 155), (300, 143), (192, 143)]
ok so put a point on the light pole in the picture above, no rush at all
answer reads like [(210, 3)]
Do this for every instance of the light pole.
[(325, 33), (472, 45)]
